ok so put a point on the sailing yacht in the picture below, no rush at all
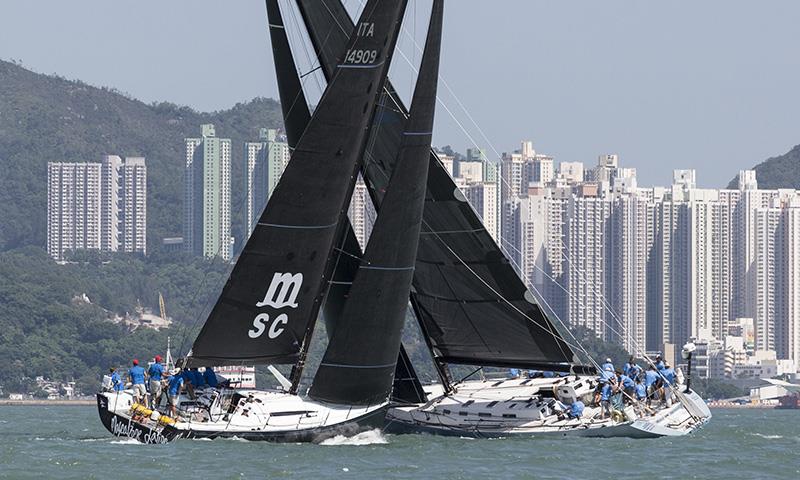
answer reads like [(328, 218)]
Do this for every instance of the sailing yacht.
[(471, 306), (268, 307)]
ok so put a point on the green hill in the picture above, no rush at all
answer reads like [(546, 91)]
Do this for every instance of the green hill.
[(782, 171), (46, 118)]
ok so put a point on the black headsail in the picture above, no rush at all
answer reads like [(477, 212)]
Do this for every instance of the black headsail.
[(407, 387), (268, 307), (359, 364), (472, 306), (293, 101)]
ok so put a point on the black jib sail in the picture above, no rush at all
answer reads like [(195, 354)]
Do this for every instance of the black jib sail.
[(472, 306), (408, 388), (293, 101), (359, 365), (268, 307)]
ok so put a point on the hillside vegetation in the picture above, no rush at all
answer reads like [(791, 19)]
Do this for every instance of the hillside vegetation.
[(46, 118), (782, 171)]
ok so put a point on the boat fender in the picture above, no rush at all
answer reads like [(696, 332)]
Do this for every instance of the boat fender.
[(155, 416), (617, 416)]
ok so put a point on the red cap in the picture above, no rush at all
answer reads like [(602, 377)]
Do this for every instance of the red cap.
[(158, 358), (135, 362)]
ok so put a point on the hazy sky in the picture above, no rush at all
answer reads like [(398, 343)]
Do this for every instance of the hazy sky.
[(711, 85)]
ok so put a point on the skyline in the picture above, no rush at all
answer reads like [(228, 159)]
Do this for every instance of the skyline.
[(705, 99)]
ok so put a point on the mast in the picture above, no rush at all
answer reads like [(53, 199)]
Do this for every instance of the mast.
[(267, 308), (359, 365), (347, 262), (471, 305)]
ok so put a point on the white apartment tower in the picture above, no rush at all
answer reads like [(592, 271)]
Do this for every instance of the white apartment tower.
[(97, 206), (362, 213), (73, 207)]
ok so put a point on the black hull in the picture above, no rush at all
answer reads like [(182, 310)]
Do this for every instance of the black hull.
[(124, 427)]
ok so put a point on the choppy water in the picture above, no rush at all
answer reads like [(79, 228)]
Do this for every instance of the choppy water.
[(70, 442)]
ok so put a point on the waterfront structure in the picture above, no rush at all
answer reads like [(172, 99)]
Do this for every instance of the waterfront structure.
[(97, 206), (207, 195)]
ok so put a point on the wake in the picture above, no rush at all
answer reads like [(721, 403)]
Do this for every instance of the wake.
[(371, 437)]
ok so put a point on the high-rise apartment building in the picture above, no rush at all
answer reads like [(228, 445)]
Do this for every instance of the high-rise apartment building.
[(265, 161), (73, 207), (97, 206), (207, 195)]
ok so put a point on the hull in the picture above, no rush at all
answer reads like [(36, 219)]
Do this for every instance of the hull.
[(120, 423), (520, 408)]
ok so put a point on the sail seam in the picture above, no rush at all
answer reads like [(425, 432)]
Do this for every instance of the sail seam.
[(341, 365), (277, 225), (371, 267), (343, 65)]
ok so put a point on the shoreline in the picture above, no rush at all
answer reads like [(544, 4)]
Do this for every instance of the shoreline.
[(4, 402)]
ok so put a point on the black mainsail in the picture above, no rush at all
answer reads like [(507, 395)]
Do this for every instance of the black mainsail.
[(375, 310), (407, 388), (268, 307), (471, 305)]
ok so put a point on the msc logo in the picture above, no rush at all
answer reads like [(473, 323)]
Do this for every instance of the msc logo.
[(282, 292)]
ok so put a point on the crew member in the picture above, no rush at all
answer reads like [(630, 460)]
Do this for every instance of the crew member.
[(605, 399), (513, 373), (156, 373), (116, 380), (607, 365), (650, 380), (576, 409), (175, 386), (668, 375), (137, 379)]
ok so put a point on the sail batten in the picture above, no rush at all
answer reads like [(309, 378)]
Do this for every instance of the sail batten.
[(268, 307)]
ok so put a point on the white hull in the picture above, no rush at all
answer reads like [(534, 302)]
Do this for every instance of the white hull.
[(529, 407), (270, 415)]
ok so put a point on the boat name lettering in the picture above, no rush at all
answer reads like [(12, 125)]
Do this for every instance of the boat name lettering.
[(122, 429)]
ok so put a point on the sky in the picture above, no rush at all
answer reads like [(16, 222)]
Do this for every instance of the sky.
[(709, 85)]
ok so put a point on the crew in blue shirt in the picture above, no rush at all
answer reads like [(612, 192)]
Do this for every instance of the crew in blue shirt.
[(641, 390), (650, 379), (606, 374), (137, 379), (513, 373), (156, 373), (605, 399), (210, 377), (628, 386), (176, 383), (607, 365), (660, 365), (669, 379), (576, 409), (634, 371), (116, 380)]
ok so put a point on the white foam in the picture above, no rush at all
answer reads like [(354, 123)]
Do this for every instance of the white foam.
[(371, 437), (127, 441), (768, 437)]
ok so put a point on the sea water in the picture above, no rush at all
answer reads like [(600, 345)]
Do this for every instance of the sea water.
[(69, 442)]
